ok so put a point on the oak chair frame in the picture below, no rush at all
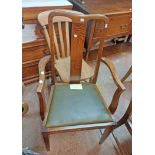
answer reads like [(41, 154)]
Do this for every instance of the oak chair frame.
[(79, 22)]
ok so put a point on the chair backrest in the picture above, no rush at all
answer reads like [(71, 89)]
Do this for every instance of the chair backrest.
[(65, 32), (61, 32)]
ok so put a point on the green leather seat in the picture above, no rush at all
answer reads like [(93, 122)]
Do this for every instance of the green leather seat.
[(76, 107)]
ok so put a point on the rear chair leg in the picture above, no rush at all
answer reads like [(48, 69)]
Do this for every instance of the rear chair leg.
[(105, 134), (87, 55), (46, 140)]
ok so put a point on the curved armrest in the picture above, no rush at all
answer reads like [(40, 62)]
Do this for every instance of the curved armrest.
[(112, 69), (42, 64)]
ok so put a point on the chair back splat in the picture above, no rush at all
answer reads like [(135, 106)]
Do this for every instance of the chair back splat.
[(65, 32)]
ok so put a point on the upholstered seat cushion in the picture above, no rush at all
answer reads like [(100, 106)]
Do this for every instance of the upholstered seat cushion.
[(76, 107), (63, 68)]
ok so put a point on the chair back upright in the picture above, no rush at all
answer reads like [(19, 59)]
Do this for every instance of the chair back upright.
[(65, 32)]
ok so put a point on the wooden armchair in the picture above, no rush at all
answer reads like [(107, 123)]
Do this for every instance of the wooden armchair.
[(76, 106)]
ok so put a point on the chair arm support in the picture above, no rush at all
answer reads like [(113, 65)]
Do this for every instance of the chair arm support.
[(127, 74), (42, 64), (126, 116), (114, 74)]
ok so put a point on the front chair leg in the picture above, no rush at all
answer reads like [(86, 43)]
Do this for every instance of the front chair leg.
[(42, 105), (106, 133), (46, 140)]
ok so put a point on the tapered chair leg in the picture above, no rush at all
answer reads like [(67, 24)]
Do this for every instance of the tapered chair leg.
[(46, 140), (105, 134)]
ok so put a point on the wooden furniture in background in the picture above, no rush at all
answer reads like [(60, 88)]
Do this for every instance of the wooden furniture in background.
[(31, 9), (119, 13), (70, 109), (62, 45), (33, 49), (34, 45)]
